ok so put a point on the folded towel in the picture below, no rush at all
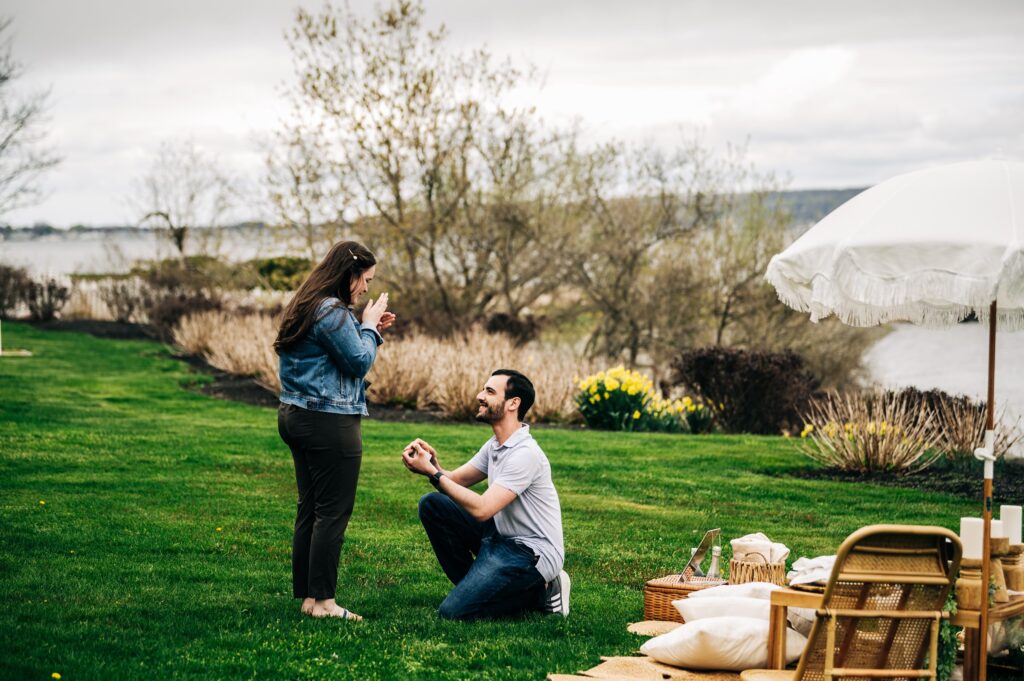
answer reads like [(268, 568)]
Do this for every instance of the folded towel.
[(811, 570), (780, 552), (758, 548)]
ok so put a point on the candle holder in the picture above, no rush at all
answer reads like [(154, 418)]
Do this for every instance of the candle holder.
[(1013, 567), (1000, 547), (968, 585)]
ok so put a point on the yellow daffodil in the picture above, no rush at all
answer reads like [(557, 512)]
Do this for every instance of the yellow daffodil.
[(636, 414)]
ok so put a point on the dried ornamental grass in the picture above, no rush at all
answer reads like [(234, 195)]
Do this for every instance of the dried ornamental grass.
[(237, 344), (962, 425), (417, 371), (873, 431), (194, 332), (250, 352), (448, 374), (403, 373), (85, 302)]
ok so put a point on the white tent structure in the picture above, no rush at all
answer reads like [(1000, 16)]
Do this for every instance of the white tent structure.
[(929, 247)]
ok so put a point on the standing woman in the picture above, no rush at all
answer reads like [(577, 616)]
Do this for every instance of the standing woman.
[(325, 352)]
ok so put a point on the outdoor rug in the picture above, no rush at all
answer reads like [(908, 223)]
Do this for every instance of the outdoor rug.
[(643, 668)]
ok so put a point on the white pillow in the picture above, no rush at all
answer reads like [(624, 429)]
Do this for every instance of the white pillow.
[(802, 619), (701, 608), (725, 643), (749, 590)]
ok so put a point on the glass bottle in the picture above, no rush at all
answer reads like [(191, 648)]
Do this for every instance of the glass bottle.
[(715, 571)]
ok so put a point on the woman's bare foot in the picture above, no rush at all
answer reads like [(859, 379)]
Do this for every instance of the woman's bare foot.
[(328, 608), (307, 606)]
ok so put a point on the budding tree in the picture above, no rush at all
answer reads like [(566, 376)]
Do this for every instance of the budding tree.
[(183, 191), (457, 190), (24, 156), (304, 187)]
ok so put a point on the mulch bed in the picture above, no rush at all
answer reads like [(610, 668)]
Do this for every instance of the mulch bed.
[(1008, 483), (100, 329)]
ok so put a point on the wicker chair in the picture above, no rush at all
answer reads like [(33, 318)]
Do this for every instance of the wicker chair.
[(882, 607)]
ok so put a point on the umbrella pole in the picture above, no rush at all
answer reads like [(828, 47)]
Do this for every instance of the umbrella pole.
[(989, 458)]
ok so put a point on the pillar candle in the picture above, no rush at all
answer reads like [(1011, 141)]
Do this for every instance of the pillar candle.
[(997, 529), (1011, 517), (971, 532)]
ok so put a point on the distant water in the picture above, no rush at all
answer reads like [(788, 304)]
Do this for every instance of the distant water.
[(954, 360), (100, 252)]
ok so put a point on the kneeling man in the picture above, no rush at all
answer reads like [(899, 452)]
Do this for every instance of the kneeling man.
[(502, 549)]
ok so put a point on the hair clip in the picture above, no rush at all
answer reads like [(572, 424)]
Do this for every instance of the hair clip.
[(354, 256)]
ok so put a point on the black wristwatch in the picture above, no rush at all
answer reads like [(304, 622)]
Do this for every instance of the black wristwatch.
[(435, 479)]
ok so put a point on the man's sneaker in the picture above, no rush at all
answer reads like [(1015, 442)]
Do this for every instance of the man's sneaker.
[(556, 600)]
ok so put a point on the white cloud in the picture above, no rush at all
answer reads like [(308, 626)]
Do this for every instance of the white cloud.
[(828, 94), (800, 80)]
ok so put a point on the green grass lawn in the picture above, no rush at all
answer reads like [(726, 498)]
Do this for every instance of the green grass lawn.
[(162, 548)]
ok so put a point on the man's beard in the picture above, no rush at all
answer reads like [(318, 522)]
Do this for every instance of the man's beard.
[(490, 414)]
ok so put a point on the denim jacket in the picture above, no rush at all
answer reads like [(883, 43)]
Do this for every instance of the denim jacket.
[(324, 371)]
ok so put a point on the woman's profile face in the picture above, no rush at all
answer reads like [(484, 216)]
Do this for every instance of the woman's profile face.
[(361, 284)]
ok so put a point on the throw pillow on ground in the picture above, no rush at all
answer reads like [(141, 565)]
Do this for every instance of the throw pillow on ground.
[(761, 590), (722, 643), (693, 609)]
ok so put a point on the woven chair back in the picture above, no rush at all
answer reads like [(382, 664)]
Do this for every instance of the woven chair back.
[(882, 605)]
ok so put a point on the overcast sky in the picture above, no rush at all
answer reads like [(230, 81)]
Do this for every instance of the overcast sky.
[(828, 94)]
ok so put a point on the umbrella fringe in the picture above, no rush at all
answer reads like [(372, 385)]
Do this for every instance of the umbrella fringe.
[(869, 301)]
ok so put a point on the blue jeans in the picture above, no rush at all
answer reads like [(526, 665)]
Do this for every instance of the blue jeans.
[(501, 580)]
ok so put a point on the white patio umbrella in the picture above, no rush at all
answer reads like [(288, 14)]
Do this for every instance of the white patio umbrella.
[(929, 247)]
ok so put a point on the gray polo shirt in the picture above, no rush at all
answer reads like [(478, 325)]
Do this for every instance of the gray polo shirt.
[(534, 518)]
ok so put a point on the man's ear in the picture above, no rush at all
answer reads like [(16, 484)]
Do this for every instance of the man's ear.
[(513, 404)]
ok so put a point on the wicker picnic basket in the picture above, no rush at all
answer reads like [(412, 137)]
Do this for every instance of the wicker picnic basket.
[(659, 594), (741, 572)]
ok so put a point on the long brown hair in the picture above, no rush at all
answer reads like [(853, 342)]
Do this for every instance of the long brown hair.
[(332, 277)]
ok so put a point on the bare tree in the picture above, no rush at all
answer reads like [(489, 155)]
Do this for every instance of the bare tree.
[(24, 156), (183, 191), (672, 257), (448, 182), (304, 186), (639, 205)]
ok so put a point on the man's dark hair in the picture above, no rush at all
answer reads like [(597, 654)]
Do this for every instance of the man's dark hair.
[(518, 386)]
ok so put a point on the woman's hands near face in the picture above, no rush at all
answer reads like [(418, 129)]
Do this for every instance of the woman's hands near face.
[(386, 320), (374, 311)]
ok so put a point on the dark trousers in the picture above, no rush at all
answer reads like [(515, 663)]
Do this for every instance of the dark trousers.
[(327, 450), (494, 576)]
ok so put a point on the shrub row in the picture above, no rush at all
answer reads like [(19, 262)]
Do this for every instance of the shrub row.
[(415, 371), (750, 392), (44, 299)]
